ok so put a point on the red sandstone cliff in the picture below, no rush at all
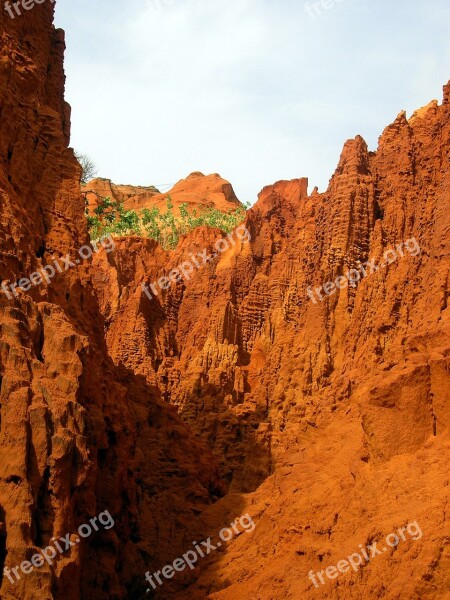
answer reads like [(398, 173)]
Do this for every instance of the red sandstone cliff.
[(78, 435), (339, 408), (327, 422)]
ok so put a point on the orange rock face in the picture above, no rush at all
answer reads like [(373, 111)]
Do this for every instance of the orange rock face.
[(329, 418), (196, 190), (133, 197), (300, 375), (78, 435)]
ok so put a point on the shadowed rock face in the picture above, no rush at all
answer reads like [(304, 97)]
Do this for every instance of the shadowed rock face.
[(78, 435), (327, 421)]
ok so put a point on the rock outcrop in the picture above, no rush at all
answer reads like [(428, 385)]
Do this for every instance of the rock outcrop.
[(133, 197), (256, 384), (330, 416), (78, 435), (197, 190)]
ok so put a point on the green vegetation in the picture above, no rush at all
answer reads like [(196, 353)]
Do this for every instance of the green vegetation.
[(111, 218)]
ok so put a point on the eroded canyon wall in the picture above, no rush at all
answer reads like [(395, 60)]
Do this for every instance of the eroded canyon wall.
[(340, 405), (325, 420), (78, 435)]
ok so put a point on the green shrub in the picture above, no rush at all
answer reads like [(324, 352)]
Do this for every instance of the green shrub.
[(110, 218)]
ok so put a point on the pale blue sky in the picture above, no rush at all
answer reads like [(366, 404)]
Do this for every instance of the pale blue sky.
[(255, 90)]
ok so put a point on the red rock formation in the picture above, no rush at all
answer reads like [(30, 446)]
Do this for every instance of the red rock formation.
[(328, 419), (340, 407), (78, 435), (196, 190), (133, 197)]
